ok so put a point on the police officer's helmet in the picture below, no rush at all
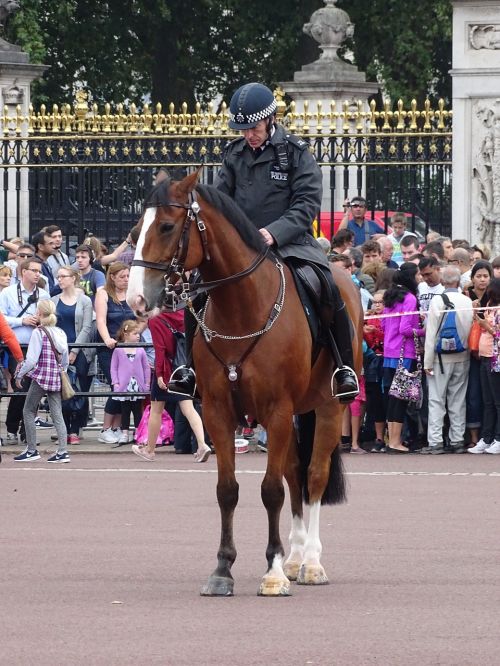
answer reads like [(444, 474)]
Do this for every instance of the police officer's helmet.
[(249, 104)]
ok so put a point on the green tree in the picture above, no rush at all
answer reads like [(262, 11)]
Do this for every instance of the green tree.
[(175, 51), (406, 48)]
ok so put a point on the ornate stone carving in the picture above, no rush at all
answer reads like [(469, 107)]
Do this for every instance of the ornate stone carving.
[(13, 95), (484, 36), (329, 26), (486, 172), (7, 7)]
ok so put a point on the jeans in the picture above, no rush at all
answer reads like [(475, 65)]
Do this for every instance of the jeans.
[(35, 394)]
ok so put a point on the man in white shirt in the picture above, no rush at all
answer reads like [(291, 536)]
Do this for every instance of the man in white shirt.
[(430, 272), (18, 304), (447, 373)]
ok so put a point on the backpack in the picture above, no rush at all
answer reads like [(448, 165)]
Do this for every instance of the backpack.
[(448, 340), (180, 355)]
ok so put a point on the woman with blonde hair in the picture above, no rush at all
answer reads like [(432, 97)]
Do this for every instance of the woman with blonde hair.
[(43, 367), (111, 309), (74, 316)]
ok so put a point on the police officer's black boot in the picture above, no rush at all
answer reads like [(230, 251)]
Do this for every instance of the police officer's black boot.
[(345, 378), (183, 379)]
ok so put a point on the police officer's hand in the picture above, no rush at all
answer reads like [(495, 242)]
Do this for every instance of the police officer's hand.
[(268, 239)]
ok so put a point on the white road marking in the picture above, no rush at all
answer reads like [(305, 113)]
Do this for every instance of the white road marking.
[(113, 470)]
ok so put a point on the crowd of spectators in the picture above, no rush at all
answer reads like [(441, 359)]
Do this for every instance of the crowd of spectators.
[(407, 285), (88, 294)]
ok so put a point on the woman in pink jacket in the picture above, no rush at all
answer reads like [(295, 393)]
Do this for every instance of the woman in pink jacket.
[(399, 331)]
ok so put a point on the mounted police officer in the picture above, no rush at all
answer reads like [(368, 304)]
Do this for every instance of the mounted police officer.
[(276, 181)]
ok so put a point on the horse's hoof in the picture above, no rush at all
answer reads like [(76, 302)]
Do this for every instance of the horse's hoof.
[(291, 570), (312, 575), (274, 587), (217, 586)]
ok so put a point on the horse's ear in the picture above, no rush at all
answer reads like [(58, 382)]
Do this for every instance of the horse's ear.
[(189, 183)]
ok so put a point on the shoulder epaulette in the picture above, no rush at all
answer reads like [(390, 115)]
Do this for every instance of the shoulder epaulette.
[(296, 141)]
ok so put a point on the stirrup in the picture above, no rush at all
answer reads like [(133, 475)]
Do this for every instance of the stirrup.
[(349, 395), (175, 387)]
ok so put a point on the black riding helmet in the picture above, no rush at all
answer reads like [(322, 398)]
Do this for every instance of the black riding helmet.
[(249, 104)]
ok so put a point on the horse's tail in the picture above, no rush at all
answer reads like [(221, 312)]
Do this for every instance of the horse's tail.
[(335, 491)]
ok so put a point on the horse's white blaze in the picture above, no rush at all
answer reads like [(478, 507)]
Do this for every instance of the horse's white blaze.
[(136, 278), (297, 539), (313, 547)]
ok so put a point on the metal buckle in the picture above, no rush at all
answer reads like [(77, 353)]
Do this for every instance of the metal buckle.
[(201, 225), (195, 207)]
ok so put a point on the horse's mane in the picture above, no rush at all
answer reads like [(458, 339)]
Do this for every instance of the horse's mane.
[(158, 196), (233, 213)]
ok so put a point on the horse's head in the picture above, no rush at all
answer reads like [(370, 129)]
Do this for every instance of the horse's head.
[(165, 235)]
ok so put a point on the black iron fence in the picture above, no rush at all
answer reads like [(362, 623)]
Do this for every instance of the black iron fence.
[(89, 171)]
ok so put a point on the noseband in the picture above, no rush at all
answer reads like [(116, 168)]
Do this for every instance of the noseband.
[(177, 285)]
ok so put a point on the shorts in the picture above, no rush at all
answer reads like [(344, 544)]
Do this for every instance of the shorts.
[(159, 395)]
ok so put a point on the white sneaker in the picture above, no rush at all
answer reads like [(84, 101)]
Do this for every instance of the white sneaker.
[(480, 447), (12, 438), (494, 448), (117, 432), (124, 437), (107, 436)]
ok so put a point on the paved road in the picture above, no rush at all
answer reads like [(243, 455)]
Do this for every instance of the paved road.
[(102, 561)]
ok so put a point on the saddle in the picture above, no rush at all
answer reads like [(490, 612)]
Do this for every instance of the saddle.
[(317, 300)]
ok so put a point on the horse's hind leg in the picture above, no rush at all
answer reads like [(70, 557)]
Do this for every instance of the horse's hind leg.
[(220, 583), (298, 531), (279, 429), (322, 468)]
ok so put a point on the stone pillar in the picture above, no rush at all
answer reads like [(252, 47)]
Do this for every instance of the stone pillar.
[(476, 121), (330, 79), (16, 76)]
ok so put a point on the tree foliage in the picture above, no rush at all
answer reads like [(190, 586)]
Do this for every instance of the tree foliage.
[(179, 50)]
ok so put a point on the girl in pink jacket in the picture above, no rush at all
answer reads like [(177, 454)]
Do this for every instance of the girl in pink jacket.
[(130, 373)]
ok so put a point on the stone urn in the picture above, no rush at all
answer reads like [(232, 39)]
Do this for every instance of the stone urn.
[(329, 26)]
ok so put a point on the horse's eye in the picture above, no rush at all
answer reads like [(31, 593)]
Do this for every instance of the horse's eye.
[(166, 227)]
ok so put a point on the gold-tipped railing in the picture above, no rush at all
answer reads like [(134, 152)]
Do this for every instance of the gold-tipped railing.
[(82, 118)]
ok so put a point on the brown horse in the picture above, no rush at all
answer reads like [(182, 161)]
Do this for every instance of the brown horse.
[(253, 355)]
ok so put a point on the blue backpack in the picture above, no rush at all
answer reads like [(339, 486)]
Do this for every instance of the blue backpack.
[(448, 340)]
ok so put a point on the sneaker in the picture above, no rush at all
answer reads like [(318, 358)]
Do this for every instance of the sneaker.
[(12, 438), (123, 439), (59, 458), (262, 446), (40, 424), (73, 439), (107, 436), (460, 448), (27, 456), (480, 447), (378, 446), (494, 448), (434, 450), (142, 452)]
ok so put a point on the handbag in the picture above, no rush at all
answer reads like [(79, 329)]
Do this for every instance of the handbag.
[(67, 391), (474, 335), (180, 355), (406, 384), (495, 359)]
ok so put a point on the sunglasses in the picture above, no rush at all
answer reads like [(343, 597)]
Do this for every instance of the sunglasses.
[(25, 256), (358, 206)]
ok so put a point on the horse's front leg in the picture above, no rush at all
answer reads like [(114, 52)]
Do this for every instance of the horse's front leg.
[(220, 583), (279, 428)]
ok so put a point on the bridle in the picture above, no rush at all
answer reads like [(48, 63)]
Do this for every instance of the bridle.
[(177, 286)]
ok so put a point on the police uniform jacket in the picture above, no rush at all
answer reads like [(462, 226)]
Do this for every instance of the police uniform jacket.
[(278, 190)]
